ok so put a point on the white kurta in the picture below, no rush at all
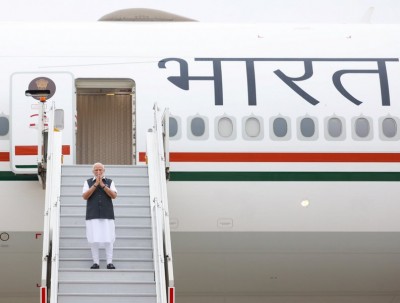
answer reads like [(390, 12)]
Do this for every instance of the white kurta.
[(100, 230)]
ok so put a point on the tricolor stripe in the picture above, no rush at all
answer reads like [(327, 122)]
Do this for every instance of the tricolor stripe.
[(282, 157), (283, 176)]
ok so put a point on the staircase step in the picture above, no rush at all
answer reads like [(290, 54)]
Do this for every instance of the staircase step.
[(119, 209), (120, 230), (122, 189), (134, 199), (127, 263), (116, 275), (106, 298), (127, 241), (106, 287), (119, 252), (119, 220), (85, 171), (120, 179)]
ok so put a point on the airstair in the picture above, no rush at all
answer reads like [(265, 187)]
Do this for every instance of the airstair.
[(142, 250), (133, 280)]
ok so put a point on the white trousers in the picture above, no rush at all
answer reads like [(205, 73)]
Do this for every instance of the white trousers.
[(95, 247)]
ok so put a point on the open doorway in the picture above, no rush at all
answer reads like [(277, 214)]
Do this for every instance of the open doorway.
[(105, 119)]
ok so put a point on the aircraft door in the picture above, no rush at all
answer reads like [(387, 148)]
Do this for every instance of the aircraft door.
[(24, 115), (105, 121)]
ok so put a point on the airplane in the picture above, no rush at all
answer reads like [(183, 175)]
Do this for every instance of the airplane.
[(283, 149)]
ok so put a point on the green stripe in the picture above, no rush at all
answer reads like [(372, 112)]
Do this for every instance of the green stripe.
[(284, 176), (26, 166), (251, 176), (10, 176)]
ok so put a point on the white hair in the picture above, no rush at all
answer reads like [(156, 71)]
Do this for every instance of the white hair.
[(98, 163)]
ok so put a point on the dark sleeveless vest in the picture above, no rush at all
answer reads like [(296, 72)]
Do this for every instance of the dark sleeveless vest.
[(99, 205)]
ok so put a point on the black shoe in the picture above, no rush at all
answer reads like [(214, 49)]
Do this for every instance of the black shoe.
[(110, 266), (95, 266)]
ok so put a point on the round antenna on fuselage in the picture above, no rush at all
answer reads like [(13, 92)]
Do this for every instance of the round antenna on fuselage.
[(143, 15)]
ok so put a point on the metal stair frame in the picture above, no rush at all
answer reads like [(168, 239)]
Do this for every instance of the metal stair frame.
[(162, 254)]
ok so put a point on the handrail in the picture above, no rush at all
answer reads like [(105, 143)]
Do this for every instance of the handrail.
[(157, 228), (51, 213), (163, 140), (159, 209), (55, 217)]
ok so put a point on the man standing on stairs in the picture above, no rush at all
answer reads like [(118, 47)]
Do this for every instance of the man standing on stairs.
[(100, 227)]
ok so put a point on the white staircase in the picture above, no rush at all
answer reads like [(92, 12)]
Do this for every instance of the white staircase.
[(133, 280), (142, 250)]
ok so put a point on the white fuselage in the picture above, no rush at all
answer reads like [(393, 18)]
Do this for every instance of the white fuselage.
[(266, 117), (248, 76)]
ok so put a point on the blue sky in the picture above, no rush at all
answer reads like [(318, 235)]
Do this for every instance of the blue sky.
[(248, 11)]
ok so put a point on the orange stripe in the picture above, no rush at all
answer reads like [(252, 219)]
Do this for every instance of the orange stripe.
[(142, 157), (26, 150), (66, 150), (281, 157), (29, 151), (4, 156), (32, 150)]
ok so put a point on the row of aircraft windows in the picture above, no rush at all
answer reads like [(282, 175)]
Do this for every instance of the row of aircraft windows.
[(280, 128)]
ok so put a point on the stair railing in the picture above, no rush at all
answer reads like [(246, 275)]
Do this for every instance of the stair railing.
[(49, 279), (159, 209)]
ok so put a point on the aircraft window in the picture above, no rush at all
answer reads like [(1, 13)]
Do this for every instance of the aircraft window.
[(307, 127), (225, 128), (252, 127), (362, 127), (389, 127), (4, 126), (280, 127), (198, 127), (173, 127), (335, 127)]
